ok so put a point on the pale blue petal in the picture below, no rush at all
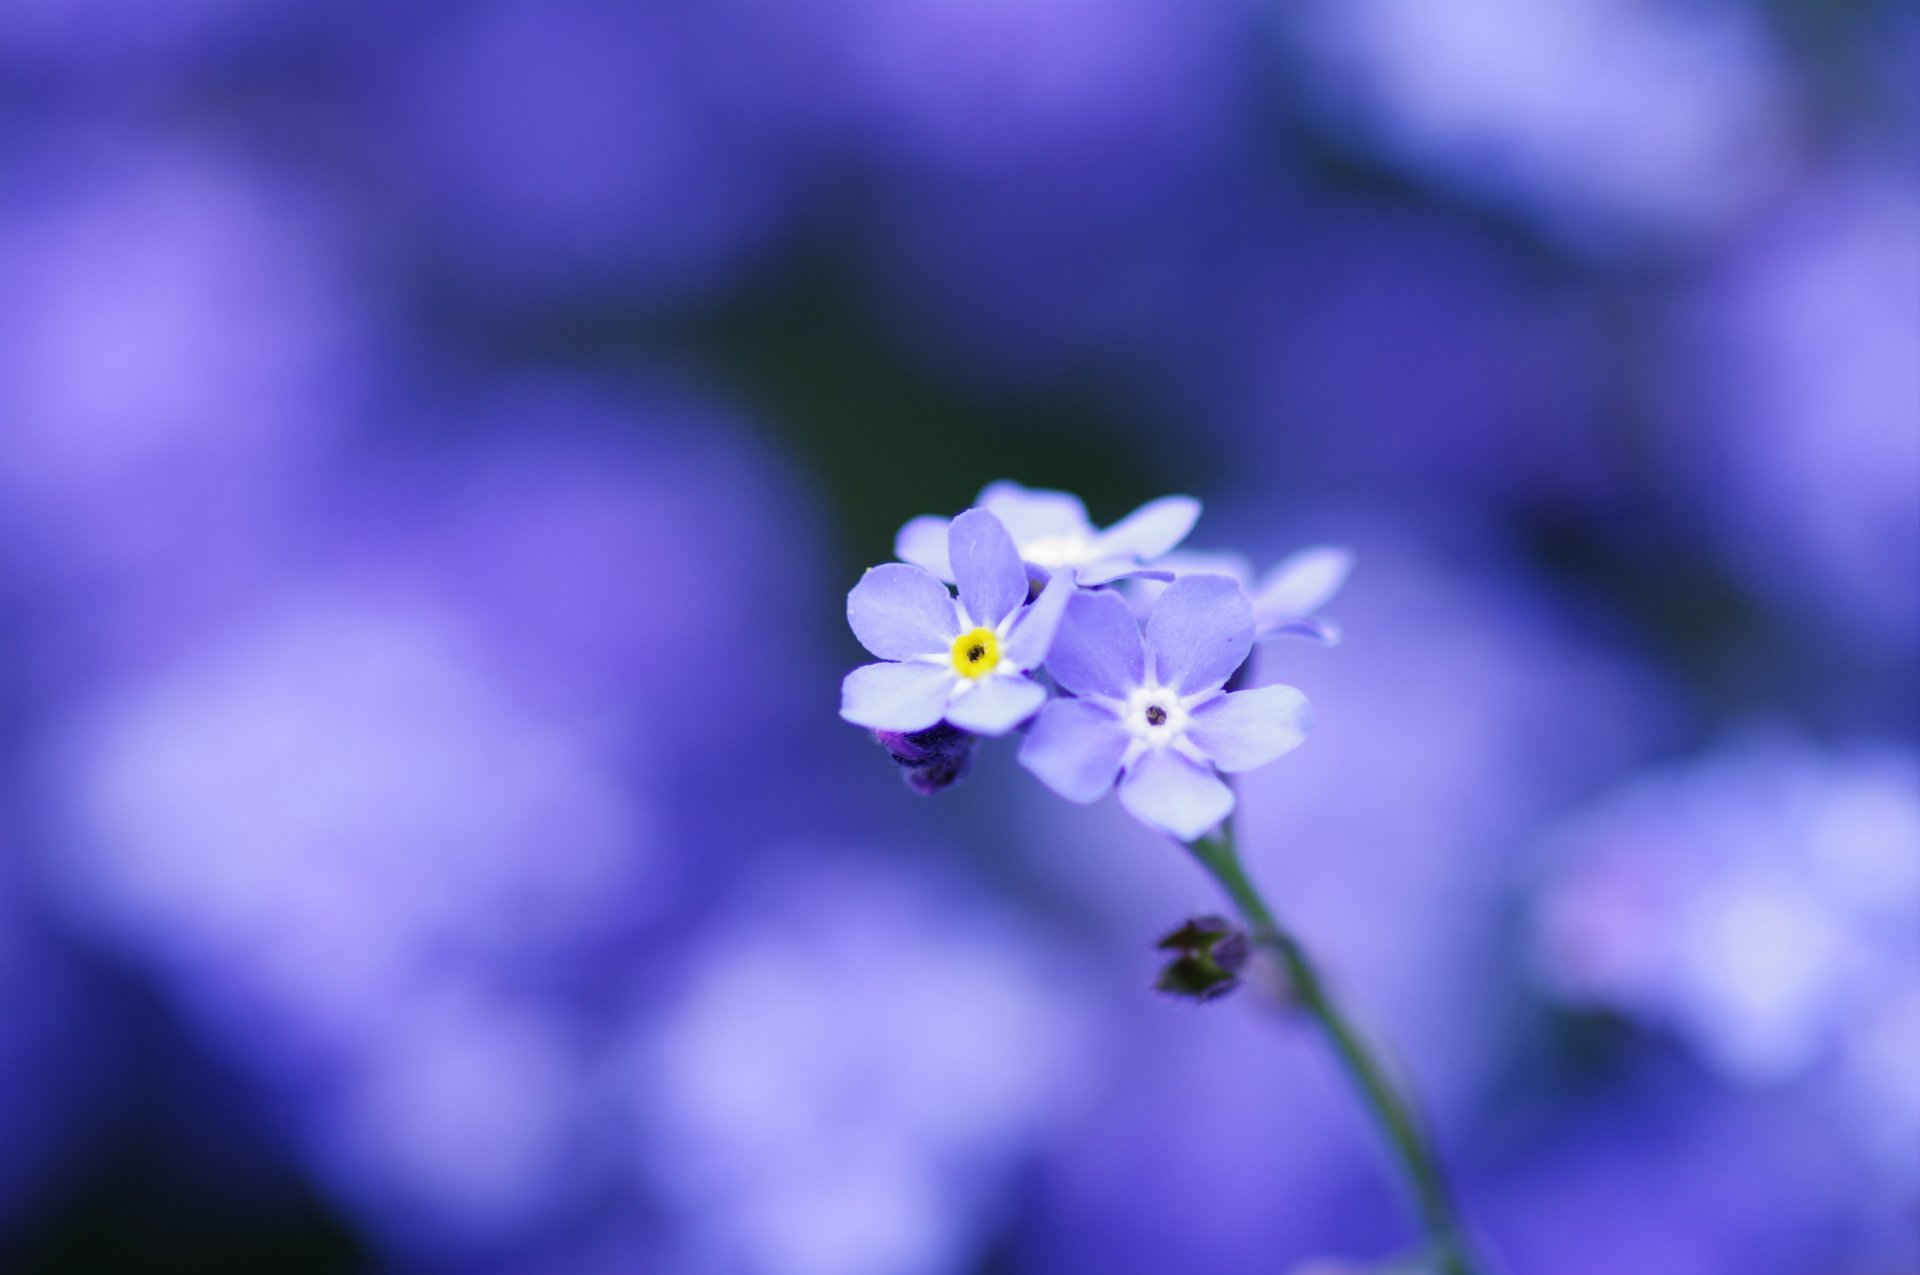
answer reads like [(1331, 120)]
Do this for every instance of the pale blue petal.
[(996, 705), (1216, 562), (898, 612), (1303, 582), (1200, 631), (1181, 562), (1031, 514), (987, 567), (1098, 649), (1173, 794), (901, 697), (1245, 729), (1318, 629), (1075, 748), (1034, 631), (923, 542), (1151, 530), (1107, 570)]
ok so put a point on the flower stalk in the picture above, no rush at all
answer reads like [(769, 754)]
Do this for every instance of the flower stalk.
[(1392, 1112)]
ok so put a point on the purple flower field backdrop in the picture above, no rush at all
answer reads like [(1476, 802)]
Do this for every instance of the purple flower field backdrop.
[(436, 442)]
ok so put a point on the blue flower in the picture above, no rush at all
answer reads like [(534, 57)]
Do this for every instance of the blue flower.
[(1287, 597), (1054, 534), (1152, 712), (965, 661), (1285, 600)]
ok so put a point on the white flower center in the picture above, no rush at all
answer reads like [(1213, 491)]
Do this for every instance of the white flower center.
[(1068, 549), (1155, 716)]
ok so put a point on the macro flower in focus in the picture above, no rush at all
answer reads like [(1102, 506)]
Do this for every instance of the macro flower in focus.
[(1054, 534), (1152, 712), (964, 660)]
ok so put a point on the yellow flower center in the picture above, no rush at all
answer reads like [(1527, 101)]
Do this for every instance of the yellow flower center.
[(975, 653)]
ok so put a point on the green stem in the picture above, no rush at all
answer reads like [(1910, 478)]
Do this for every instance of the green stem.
[(1391, 1111)]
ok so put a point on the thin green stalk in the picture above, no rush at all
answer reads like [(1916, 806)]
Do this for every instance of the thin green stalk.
[(1391, 1111)]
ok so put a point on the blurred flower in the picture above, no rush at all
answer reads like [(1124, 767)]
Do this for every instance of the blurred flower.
[(1763, 905), (963, 88), (1754, 902), (89, 38), (1612, 121), (1795, 414), (583, 149), (852, 1069), (1053, 533), (343, 838), (560, 490), (1672, 1176), (1151, 711), (387, 827), (1284, 600), (182, 348), (1046, 176), (1877, 1086), (967, 661), (1500, 385), (1198, 1122)]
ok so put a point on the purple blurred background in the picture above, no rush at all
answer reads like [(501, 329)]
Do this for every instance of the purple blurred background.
[(435, 441)]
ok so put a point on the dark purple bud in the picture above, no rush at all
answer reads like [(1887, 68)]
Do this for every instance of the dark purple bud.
[(932, 759), (1209, 953)]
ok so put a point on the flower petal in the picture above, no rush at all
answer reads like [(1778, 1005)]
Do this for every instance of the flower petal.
[(1316, 628), (1245, 729), (996, 705), (1303, 582), (1173, 794), (898, 612), (1152, 529), (923, 542), (987, 567), (1098, 649), (1147, 584), (896, 696), (1200, 631), (1218, 562), (1031, 514), (1034, 631), (1075, 749), (1106, 570)]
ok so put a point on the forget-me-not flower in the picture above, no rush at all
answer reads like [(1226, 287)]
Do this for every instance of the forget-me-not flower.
[(1054, 534), (964, 660), (1152, 711), (1286, 599)]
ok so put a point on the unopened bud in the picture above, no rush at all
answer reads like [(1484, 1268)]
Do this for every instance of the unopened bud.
[(1209, 953), (932, 759)]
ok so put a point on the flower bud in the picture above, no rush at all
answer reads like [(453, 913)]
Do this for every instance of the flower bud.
[(1209, 953), (931, 759)]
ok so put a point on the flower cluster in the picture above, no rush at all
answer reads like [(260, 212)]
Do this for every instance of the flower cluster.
[(1112, 689)]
